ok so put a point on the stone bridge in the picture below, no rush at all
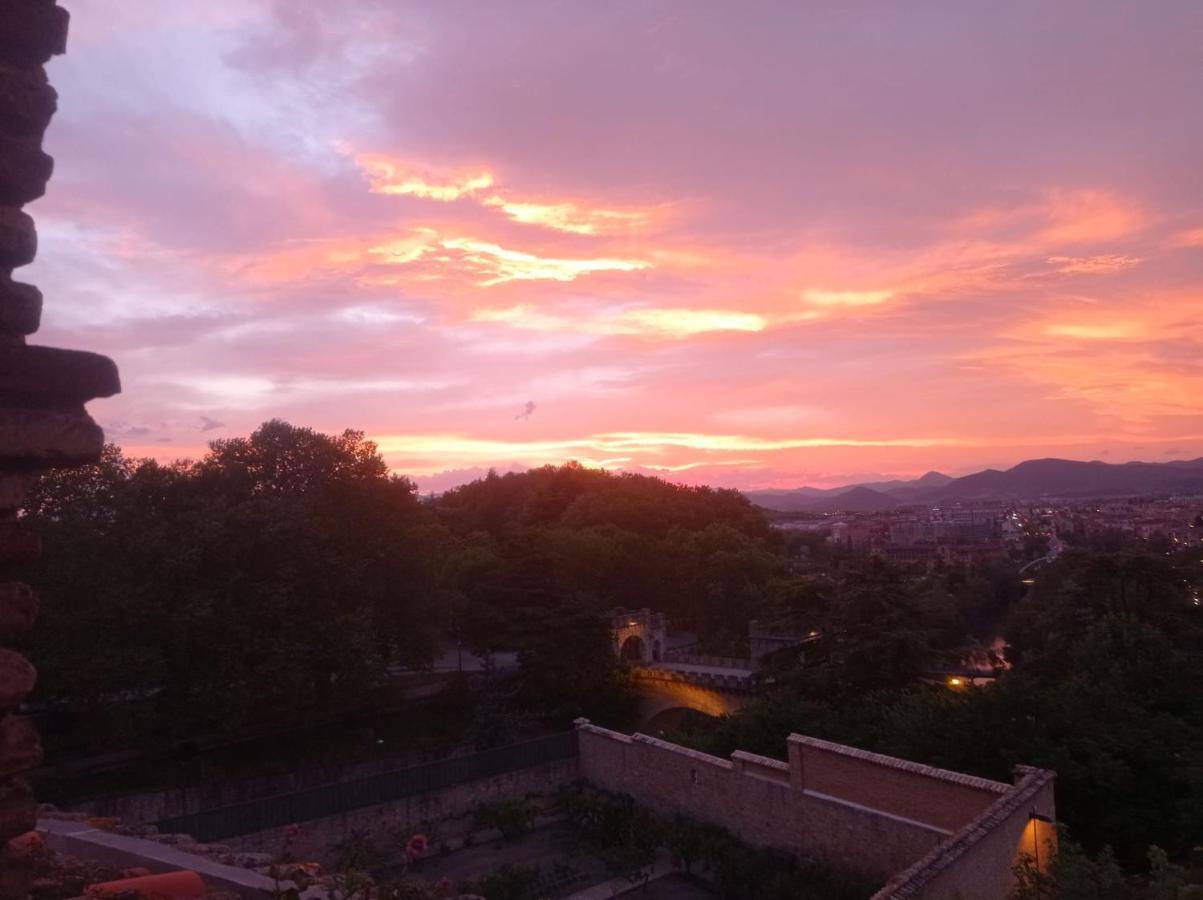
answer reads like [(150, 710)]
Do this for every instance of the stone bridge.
[(670, 693), (674, 684)]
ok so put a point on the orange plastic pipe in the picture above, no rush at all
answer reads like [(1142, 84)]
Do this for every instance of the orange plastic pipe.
[(166, 886)]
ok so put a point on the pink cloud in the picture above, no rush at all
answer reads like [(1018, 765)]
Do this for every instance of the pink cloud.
[(863, 239)]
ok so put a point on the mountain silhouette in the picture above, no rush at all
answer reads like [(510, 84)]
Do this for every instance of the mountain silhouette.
[(1032, 479)]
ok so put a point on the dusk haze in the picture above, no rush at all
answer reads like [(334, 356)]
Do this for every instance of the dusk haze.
[(753, 245), (593, 449)]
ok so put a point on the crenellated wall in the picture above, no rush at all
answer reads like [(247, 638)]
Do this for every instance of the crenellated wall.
[(859, 811)]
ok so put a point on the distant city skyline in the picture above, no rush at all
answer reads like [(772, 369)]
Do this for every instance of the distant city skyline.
[(763, 245)]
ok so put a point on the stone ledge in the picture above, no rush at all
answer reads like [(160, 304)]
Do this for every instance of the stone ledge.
[(17, 678), (903, 765), (32, 31), (18, 602), (20, 746), (81, 840), (20, 307), (18, 238), (18, 809), (764, 762), (27, 101), (32, 439), (24, 169), (695, 755), (589, 728), (47, 376)]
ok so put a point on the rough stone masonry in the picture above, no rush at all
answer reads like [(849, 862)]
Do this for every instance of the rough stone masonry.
[(43, 390)]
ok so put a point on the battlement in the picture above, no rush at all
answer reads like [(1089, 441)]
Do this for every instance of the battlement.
[(877, 815)]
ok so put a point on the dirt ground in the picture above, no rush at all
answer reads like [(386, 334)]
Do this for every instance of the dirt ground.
[(548, 848), (672, 887)]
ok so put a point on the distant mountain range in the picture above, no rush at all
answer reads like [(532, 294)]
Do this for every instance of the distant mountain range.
[(1030, 480)]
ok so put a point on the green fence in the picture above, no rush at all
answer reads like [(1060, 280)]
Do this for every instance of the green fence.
[(331, 799)]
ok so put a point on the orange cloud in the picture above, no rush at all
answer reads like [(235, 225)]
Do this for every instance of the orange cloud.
[(1092, 265), (571, 217), (656, 322), (419, 453), (1126, 366), (499, 264), (388, 176), (1098, 331), (1083, 216), (1191, 238), (846, 298), (435, 256)]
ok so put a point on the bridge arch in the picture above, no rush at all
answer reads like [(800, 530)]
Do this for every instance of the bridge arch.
[(633, 649), (663, 701)]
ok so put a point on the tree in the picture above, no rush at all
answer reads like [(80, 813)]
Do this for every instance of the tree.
[(279, 458), (277, 576), (876, 629), (567, 667)]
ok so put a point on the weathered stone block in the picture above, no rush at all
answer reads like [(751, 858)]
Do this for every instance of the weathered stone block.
[(27, 101), (20, 307), (24, 170), (14, 488), (17, 678), (50, 376), (31, 31), (20, 746), (44, 438), (18, 608), (18, 809), (18, 544), (18, 239)]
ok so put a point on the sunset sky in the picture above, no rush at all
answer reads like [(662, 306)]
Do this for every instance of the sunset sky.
[(750, 244)]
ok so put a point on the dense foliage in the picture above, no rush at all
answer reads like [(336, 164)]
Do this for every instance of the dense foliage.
[(606, 540), (1105, 690), (285, 574)]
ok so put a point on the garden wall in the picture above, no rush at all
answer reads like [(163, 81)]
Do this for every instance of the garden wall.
[(433, 812), (857, 811)]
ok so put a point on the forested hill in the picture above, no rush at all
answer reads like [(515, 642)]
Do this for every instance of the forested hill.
[(288, 571), (572, 496), (569, 534)]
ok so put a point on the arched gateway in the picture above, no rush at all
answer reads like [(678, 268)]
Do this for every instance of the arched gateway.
[(673, 685), (639, 635)]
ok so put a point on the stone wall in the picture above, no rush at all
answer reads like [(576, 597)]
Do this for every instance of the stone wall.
[(936, 796), (42, 390), (862, 812), (978, 861), (443, 814)]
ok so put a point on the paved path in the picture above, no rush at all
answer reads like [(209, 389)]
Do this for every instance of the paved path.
[(616, 887), (691, 667)]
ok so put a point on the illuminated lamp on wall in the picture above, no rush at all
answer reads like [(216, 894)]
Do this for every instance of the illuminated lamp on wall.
[(1034, 817)]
